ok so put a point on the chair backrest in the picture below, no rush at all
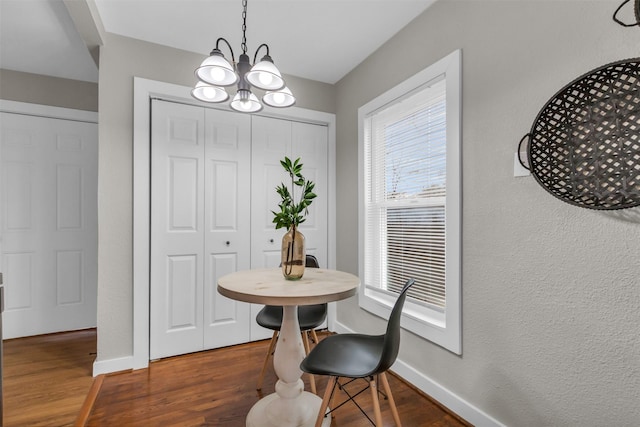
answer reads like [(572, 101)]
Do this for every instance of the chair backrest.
[(312, 262), (391, 344), (315, 311)]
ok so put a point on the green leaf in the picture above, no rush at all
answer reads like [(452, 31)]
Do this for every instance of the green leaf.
[(292, 213)]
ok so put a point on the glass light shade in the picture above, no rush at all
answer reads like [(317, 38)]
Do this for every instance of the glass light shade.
[(208, 93), (216, 70), (264, 75), (246, 102), (280, 98)]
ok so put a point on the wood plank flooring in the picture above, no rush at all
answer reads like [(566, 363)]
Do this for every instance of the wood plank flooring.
[(46, 378), (217, 388)]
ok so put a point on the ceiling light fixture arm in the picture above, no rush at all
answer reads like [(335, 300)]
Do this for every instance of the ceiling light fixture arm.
[(219, 52), (266, 46)]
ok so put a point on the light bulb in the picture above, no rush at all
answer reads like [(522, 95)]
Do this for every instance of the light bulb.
[(264, 75), (265, 78), (278, 98), (209, 92), (245, 102), (217, 74)]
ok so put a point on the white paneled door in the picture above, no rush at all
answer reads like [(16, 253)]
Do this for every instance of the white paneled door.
[(227, 237), (273, 139), (200, 226), (49, 224)]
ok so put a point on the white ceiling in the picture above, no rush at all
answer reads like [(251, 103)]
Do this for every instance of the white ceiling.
[(315, 39), (38, 36)]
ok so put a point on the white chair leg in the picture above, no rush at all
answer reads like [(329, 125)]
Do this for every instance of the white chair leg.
[(272, 344)]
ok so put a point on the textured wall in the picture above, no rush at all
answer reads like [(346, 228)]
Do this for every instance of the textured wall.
[(121, 59), (551, 292)]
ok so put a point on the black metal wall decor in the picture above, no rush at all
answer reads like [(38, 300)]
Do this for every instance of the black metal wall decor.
[(636, 10), (584, 145)]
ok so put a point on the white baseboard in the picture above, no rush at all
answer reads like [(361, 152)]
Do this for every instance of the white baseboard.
[(443, 395), (112, 365)]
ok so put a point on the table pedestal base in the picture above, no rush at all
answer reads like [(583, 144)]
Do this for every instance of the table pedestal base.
[(268, 412)]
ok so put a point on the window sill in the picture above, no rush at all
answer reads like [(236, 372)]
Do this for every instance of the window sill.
[(422, 321)]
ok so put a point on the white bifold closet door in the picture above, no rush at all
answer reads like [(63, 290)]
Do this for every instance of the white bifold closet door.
[(272, 140), (200, 226), (49, 223)]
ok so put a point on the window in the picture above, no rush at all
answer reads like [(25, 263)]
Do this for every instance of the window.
[(410, 201)]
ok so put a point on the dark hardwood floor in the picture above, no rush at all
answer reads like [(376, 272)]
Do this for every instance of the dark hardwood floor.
[(47, 378), (217, 388)]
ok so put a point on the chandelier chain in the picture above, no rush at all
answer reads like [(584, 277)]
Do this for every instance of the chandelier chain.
[(244, 26)]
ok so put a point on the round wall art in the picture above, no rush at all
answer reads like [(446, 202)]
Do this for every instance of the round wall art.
[(584, 146)]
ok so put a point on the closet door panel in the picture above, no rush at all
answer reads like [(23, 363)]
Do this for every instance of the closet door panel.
[(310, 143), (177, 223), (228, 223), (271, 141)]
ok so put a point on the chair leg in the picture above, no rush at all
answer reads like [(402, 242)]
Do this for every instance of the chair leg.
[(272, 345), (376, 402), (325, 400), (332, 404), (392, 403), (305, 340), (315, 336)]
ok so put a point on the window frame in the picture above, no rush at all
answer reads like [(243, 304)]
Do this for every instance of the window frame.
[(443, 327)]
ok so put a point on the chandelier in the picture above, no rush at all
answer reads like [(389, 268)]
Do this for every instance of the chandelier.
[(215, 73)]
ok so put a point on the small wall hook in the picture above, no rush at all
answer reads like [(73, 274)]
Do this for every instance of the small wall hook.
[(637, 13), (526, 166)]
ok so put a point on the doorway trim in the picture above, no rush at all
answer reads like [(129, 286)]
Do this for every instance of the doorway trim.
[(49, 111), (143, 91)]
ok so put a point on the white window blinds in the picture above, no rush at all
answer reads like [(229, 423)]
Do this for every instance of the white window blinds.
[(405, 189)]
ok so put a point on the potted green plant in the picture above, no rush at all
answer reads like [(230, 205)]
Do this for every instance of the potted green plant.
[(292, 213)]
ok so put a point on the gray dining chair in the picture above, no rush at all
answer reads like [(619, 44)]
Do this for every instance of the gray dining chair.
[(355, 356)]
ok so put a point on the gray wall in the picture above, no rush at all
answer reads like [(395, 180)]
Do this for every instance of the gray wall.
[(551, 294), (47, 90), (121, 59)]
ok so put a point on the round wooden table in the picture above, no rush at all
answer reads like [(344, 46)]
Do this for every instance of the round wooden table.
[(290, 405)]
